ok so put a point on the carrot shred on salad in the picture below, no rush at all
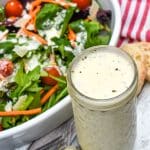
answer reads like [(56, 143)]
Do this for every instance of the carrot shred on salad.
[(33, 13), (49, 93), (20, 112), (71, 35), (42, 91), (31, 20), (35, 4), (33, 16), (36, 36)]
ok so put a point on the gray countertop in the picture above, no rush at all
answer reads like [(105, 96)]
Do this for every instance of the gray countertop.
[(143, 120)]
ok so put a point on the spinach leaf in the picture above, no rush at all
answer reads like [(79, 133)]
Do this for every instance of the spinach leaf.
[(94, 31), (49, 104), (34, 88), (67, 18), (25, 81), (36, 101), (93, 34), (66, 56), (61, 44), (55, 98), (61, 95), (2, 14), (7, 46), (77, 26), (8, 122), (45, 15), (2, 105)]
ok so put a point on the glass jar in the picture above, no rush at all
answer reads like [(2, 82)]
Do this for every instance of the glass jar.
[(104, 124)]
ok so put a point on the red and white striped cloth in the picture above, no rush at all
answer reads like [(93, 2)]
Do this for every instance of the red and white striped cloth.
[(135, 21)]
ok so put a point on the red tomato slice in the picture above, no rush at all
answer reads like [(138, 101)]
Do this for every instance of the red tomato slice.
[(82, 4), (48, 80), (6, 67), (13, 8)]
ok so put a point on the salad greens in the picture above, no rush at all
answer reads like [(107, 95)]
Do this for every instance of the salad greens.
[(2, 13), (94, 30), (35, 51)]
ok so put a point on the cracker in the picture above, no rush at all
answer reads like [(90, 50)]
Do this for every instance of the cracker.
[(140, 59), (145, 46)]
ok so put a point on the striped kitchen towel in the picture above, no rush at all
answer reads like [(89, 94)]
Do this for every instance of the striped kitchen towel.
[(135, 21)]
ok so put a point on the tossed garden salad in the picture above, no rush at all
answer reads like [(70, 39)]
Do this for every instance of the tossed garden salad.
[(38, 40)]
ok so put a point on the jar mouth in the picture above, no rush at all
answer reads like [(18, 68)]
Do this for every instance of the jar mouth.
[(124, 97)]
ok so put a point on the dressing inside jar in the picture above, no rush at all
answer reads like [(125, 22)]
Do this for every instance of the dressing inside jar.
[(102, 82)]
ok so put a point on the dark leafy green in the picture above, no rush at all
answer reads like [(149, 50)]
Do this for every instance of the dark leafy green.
[(2, 14), (26, 81), (67, 18), (94, 32), (47, 13), (66, 56), (7, 46)]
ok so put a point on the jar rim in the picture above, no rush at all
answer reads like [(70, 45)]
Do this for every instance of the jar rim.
[(108, 103)]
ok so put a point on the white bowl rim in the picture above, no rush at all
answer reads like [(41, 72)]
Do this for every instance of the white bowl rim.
[(114, 38), (117, 26)]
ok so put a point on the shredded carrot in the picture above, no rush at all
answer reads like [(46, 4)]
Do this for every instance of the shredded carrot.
[(35, 4), (33, 13), (71, 35), (36, 36), (23, 26), (33, 16), (49, 93), (34, 22), (21, 112), (42, 91)]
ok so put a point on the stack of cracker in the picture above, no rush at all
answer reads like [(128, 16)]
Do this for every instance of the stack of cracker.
[(140, 52)]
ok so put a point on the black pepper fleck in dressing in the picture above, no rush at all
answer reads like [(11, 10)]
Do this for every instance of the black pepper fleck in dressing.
[(114, 91)]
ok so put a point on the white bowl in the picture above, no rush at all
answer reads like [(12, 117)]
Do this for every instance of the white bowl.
[(47, 121)]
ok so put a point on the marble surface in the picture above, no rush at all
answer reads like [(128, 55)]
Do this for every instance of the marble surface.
[(65, 135), (143, 120)]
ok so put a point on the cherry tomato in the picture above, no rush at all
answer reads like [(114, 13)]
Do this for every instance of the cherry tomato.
[(82, 4), (48, 80), (6, 67), (13, 8)]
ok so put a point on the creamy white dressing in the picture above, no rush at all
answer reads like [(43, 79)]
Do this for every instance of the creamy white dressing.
[(21, 21), (62, 67), (8, 106), (102, 75), (28, 45), (30, 64), (54, 25), (49, 34), (80, 42), (3, 83)]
